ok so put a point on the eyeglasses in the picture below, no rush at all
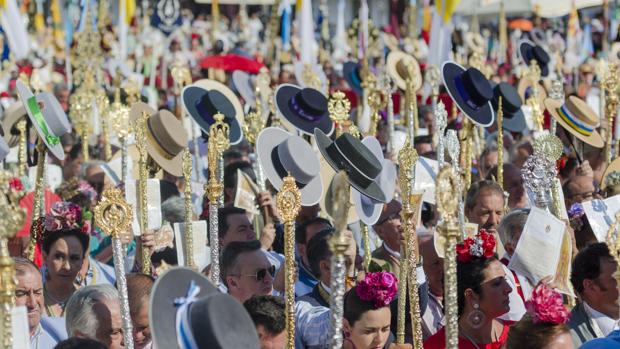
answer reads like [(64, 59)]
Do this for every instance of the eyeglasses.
[(261, 273), (393, 216)]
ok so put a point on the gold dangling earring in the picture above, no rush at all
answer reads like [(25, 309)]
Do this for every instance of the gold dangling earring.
[(476, 317)]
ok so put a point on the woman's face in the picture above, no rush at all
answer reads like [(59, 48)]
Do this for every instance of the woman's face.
[(371, 331), (64, 259), (495, 290), (562, 341)]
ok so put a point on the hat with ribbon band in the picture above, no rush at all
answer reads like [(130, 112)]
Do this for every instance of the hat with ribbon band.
[(47, 116), (576, 117), (471, 92), (166, 137), (349, 154), (368, 209), (303, 108), (281, 153), (187, 312), (205, 98)]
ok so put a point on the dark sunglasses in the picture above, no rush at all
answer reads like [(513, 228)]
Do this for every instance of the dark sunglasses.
[(262, 273)]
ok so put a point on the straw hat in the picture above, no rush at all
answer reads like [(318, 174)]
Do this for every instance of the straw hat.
[(166, 137), (578, 118), (614, 166), (475, 42), (397, 63)]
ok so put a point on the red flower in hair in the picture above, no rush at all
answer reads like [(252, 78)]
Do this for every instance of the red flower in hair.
[(480, 246), (378, 288), (547, 305)]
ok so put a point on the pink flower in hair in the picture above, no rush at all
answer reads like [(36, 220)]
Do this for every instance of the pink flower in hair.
[(63, 215), (547, 305), (378, 288)]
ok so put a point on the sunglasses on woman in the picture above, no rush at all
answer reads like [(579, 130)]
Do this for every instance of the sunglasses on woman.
[(262, 273)]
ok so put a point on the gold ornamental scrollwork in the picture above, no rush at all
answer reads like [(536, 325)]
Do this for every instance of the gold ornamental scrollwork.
[(113, 214)]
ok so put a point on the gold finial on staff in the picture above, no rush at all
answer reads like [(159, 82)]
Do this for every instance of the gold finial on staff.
[(407, 158), (288, 201), (114, 215), (218, 143), (447, 204), (500, 143), (466, 137), (533, 73), (338, 108), (376, 102), (140, 129), (189, 235), (13, 218), (181, 76)]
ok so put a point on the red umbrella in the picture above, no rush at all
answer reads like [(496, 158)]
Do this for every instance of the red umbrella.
[(231, 62)]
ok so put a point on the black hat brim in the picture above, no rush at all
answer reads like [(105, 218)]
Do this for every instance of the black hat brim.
[(483, 116), (524, 48), (347, 70), (283, 95), (193, 94), (373, 190)]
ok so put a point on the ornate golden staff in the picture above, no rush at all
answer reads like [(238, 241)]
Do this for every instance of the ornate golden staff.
[(218, 143), (22, 152), (610, 85), (533, 73), (407, 158), (253, 124), (500, 143), (289, 203), (338, 108), (550, 147), (338, 246), (447, 204), (140, 131), (181, 77), (113, 215), (39, 197), (13, 218), (466, 136), (411, 104), (189, 236), (119, 122), (376, 102)]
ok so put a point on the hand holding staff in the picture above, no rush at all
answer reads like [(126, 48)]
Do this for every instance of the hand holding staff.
[(113, 215)]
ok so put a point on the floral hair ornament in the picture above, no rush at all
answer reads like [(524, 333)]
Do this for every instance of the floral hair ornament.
[(64, 215), (379, 288), (480, 246), (547, 306)]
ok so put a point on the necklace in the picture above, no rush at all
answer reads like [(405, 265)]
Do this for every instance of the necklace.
[(48, 307)]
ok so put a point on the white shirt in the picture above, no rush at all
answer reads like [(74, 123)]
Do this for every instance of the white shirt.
[(392, 252), (604, 322)]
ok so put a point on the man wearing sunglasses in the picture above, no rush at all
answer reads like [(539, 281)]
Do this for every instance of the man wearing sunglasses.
[(246, 271)]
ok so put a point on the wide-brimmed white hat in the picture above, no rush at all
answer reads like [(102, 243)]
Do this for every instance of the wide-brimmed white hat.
[(281, 153), (369, 210), (47, 116)]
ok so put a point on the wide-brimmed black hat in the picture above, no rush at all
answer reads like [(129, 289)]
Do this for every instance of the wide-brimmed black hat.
[(205, 98), (305, 109), (530, 51), (471, 92), (349, 154), (514, 119), (186, 308), (351, 73)]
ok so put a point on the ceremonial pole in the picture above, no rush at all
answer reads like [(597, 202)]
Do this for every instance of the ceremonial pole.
[(218, 143), (113, 215), (338, 245), (140, 129), (500, 143), (253, 124), (188, 232), (288, 201), (39, 197), (610, 86), (22, 152), (447, 204), (390, 113), (613, 242), (441, 122), (13, 217), (407, 158)]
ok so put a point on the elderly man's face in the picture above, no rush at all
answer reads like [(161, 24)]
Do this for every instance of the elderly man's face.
[(29, 293), (141, 329), (110, 330), (488, 210)]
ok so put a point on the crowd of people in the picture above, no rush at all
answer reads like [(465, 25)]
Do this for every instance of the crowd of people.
[(513, 197)]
